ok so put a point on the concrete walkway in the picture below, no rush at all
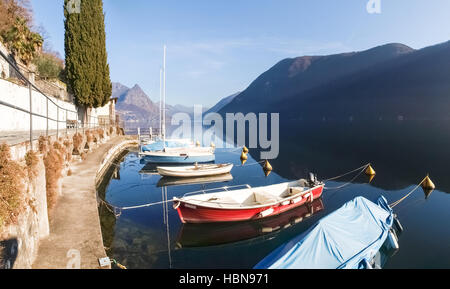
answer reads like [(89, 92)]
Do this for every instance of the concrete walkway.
[(75, 233)]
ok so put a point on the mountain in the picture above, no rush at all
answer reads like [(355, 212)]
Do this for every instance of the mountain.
[(137, 109), (413, 86), (221, 104), (292, 79)]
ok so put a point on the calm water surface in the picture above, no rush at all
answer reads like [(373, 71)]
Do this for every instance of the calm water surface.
[(142, 238)]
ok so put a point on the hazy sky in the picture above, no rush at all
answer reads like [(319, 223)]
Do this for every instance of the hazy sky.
[(218, 47)]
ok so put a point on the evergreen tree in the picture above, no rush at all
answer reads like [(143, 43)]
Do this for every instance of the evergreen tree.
[(87, 69)]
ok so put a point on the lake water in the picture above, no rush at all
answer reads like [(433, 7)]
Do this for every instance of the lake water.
[(142, 238)]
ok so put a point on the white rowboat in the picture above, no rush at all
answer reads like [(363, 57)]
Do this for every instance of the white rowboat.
[(195, 171)]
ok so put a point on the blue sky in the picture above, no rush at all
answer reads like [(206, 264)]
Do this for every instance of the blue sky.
[(218, 47)]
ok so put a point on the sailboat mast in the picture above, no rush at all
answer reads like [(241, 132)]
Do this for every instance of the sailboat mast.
[(164, 97), (160, 101)]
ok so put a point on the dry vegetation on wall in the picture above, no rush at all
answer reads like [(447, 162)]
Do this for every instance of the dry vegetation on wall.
[(111, 130), (31, 160), (95, 136), (69, 149), (53, 162), (77, 142), (89, 137), (101, 134), (12, 197), (120, 131), (43, 144)]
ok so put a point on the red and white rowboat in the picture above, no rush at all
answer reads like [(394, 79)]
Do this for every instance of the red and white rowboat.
[(247, 204)]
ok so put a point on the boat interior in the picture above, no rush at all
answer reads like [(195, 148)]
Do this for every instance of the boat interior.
[(197, 167), (251, 197)]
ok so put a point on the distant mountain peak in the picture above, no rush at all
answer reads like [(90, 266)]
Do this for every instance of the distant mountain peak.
[(136, 87)]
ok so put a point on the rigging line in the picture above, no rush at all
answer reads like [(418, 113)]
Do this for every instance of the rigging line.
[(395, 204)]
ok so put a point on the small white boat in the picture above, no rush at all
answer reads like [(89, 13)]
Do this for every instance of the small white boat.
[(195, 171)]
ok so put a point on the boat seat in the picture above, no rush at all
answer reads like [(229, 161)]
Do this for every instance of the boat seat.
[(265, 198), (294, 191)]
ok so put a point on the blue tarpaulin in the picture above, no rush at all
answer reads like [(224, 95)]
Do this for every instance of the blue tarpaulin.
[(342, 240)]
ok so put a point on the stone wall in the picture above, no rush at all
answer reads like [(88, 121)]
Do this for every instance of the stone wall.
[(22, 239)]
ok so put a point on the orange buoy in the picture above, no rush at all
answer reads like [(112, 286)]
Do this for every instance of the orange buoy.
[(370, 171)]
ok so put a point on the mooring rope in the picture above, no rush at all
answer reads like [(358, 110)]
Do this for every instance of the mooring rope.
[(341, 176), (363, 168), (395, 204)]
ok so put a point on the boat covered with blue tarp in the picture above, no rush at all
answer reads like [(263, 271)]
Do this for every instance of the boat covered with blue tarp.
[(348, 238)]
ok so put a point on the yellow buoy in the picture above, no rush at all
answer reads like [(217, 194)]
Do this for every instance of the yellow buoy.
[(245, 150), (213, 145), (198, 144), (267, 168), (428, 184), (371, 178), (244, 157), (370, 171), (428, 193)]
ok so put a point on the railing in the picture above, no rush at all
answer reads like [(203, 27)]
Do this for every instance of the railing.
[(66, 119)]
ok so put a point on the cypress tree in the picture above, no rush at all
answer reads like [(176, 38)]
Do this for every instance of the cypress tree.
[(87, 69)]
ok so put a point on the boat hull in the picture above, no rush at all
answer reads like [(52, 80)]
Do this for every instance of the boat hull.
[(194, 214), (180, 159), (189, 172)]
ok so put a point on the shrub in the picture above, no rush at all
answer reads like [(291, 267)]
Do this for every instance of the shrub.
[(101, 133), (49, 66), (43, 144), (77, 142), (31, 160), (12, 197), (89, 136), (68, 145), (53, 162)]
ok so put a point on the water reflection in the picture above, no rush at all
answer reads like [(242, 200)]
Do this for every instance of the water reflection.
[(169, 181), (402, 153), (204, 235)]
